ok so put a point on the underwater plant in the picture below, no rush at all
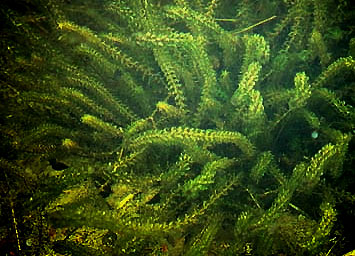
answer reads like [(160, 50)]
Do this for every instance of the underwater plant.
[(177, 127)]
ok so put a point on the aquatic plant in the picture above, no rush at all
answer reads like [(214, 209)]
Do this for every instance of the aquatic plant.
[(176, 127)]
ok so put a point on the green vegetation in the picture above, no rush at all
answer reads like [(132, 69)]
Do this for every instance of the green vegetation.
[(176, 127)]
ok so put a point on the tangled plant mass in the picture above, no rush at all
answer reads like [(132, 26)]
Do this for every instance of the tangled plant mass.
[(177, 127)]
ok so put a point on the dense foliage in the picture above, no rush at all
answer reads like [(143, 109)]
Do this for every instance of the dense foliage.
[(177, 127)]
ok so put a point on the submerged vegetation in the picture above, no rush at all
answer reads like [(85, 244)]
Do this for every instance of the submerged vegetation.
[(177, 127)]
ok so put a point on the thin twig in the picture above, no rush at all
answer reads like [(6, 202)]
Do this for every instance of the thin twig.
[(256, 24), (15, 226)]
